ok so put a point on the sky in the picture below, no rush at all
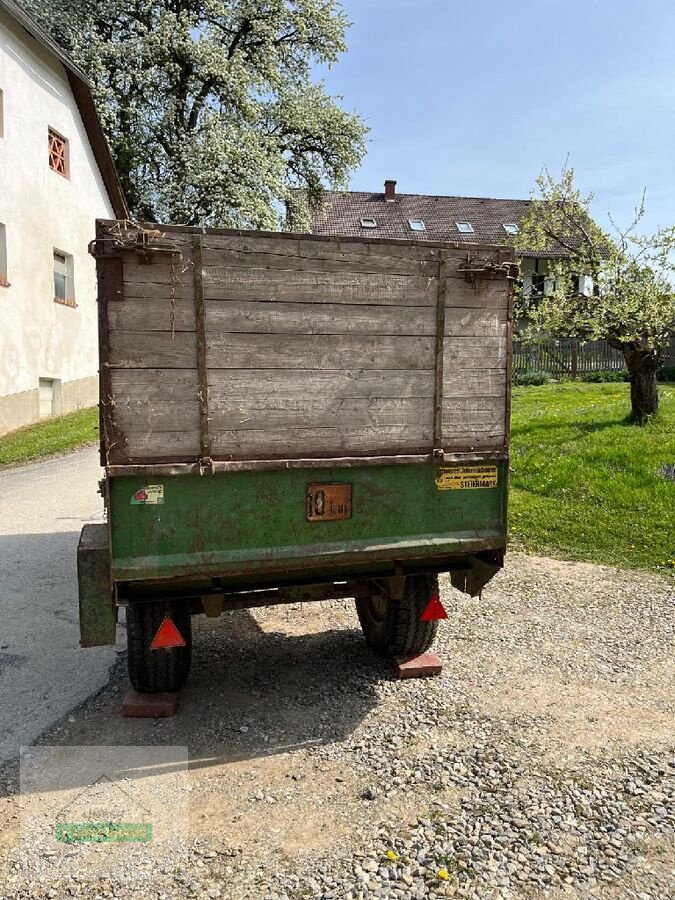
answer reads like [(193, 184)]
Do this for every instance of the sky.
[(474, 97)]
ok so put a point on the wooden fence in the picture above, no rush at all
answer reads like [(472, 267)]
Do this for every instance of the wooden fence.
[(571, 357)]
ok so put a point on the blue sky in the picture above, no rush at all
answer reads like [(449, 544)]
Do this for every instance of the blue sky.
[(473, 97)]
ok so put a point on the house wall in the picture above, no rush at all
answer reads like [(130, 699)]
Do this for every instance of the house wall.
[(42, 211)]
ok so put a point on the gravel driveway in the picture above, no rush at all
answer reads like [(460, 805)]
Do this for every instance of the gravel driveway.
[(541, 762)]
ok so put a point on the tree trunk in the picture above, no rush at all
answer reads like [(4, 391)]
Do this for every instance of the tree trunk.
[(644, 392)]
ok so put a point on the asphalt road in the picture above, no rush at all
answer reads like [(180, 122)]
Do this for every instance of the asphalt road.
[(43, 671)]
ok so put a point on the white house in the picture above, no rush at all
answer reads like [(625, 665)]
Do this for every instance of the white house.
[(56, 177)]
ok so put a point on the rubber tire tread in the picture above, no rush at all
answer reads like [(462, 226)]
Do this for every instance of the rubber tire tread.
[(401, 633), (157, 671)]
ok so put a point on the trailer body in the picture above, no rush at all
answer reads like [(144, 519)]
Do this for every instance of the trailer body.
[(289, 416)]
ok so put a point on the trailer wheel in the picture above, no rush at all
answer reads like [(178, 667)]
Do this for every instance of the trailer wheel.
[(393, 627), (156, 671)]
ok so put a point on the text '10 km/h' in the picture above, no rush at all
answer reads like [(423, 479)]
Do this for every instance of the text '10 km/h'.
[(328, 502)]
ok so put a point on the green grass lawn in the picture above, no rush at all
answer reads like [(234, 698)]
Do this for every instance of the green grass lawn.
[(585, 484), (49, 437)]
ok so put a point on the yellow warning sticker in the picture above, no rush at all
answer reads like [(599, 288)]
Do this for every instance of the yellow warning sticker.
[(463, 478)]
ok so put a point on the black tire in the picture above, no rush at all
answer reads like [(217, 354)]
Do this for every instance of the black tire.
[(393, 627), (156, 671)]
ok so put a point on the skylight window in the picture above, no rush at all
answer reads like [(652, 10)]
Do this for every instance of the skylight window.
[(464, 227), (511, 228), (368, 223), (417, 225)]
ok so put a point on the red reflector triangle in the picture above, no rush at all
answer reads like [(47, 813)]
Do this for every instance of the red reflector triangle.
[(434, 610), (167, 636)]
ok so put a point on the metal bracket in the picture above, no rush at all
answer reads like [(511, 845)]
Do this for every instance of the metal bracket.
[(206, 466), (213, 605), (476, 268)]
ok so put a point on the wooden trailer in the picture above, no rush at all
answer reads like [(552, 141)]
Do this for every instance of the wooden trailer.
[(291, 417)]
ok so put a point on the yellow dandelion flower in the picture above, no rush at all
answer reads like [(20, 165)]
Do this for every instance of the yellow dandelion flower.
[(392, 855), (443, 874)]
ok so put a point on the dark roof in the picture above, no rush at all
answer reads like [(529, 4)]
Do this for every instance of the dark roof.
[(342, 212), (81, 88)]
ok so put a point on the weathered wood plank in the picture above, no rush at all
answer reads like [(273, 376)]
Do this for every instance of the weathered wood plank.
[(479, 416), (153, 350), (346, 384), (293, 351), (306, 441), (154, 385), (300, 245), (159, 385), (147, 290), (474, 353), (136, 314), (140, 415), (317, 318), (154, 314), (466, 439), (153, 445), (223, 283), (463, 322), (258, 414), (346, 262)]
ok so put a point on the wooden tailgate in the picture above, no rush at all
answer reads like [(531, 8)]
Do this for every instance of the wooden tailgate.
[(224, 346)]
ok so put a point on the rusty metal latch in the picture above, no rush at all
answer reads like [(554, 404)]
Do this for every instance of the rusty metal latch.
[(473, 269), (133, 238), (206, 466)]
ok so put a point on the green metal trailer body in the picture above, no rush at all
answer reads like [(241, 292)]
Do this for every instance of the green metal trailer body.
[(288, 417), (248, 527)]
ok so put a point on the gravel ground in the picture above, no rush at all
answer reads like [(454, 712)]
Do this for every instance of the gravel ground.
[(541, 763)]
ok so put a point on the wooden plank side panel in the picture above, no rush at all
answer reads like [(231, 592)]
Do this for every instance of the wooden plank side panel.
[(312, 349)]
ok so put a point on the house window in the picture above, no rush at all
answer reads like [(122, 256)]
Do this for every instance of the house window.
[(3, 257), (417, 225), (511, 228), (464, 227), (58, 153), (538, 284), (64, 292), (368, 223)]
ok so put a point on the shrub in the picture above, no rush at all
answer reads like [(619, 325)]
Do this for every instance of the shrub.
[(666, 373), (528, 379), (606, 376)]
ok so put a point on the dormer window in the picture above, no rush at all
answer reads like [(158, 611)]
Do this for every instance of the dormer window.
[(417, 225), (511, 228), (464, 227), (368, 223)]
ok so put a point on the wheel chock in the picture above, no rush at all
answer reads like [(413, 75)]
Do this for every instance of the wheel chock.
[(423, 666), (149, 706)]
